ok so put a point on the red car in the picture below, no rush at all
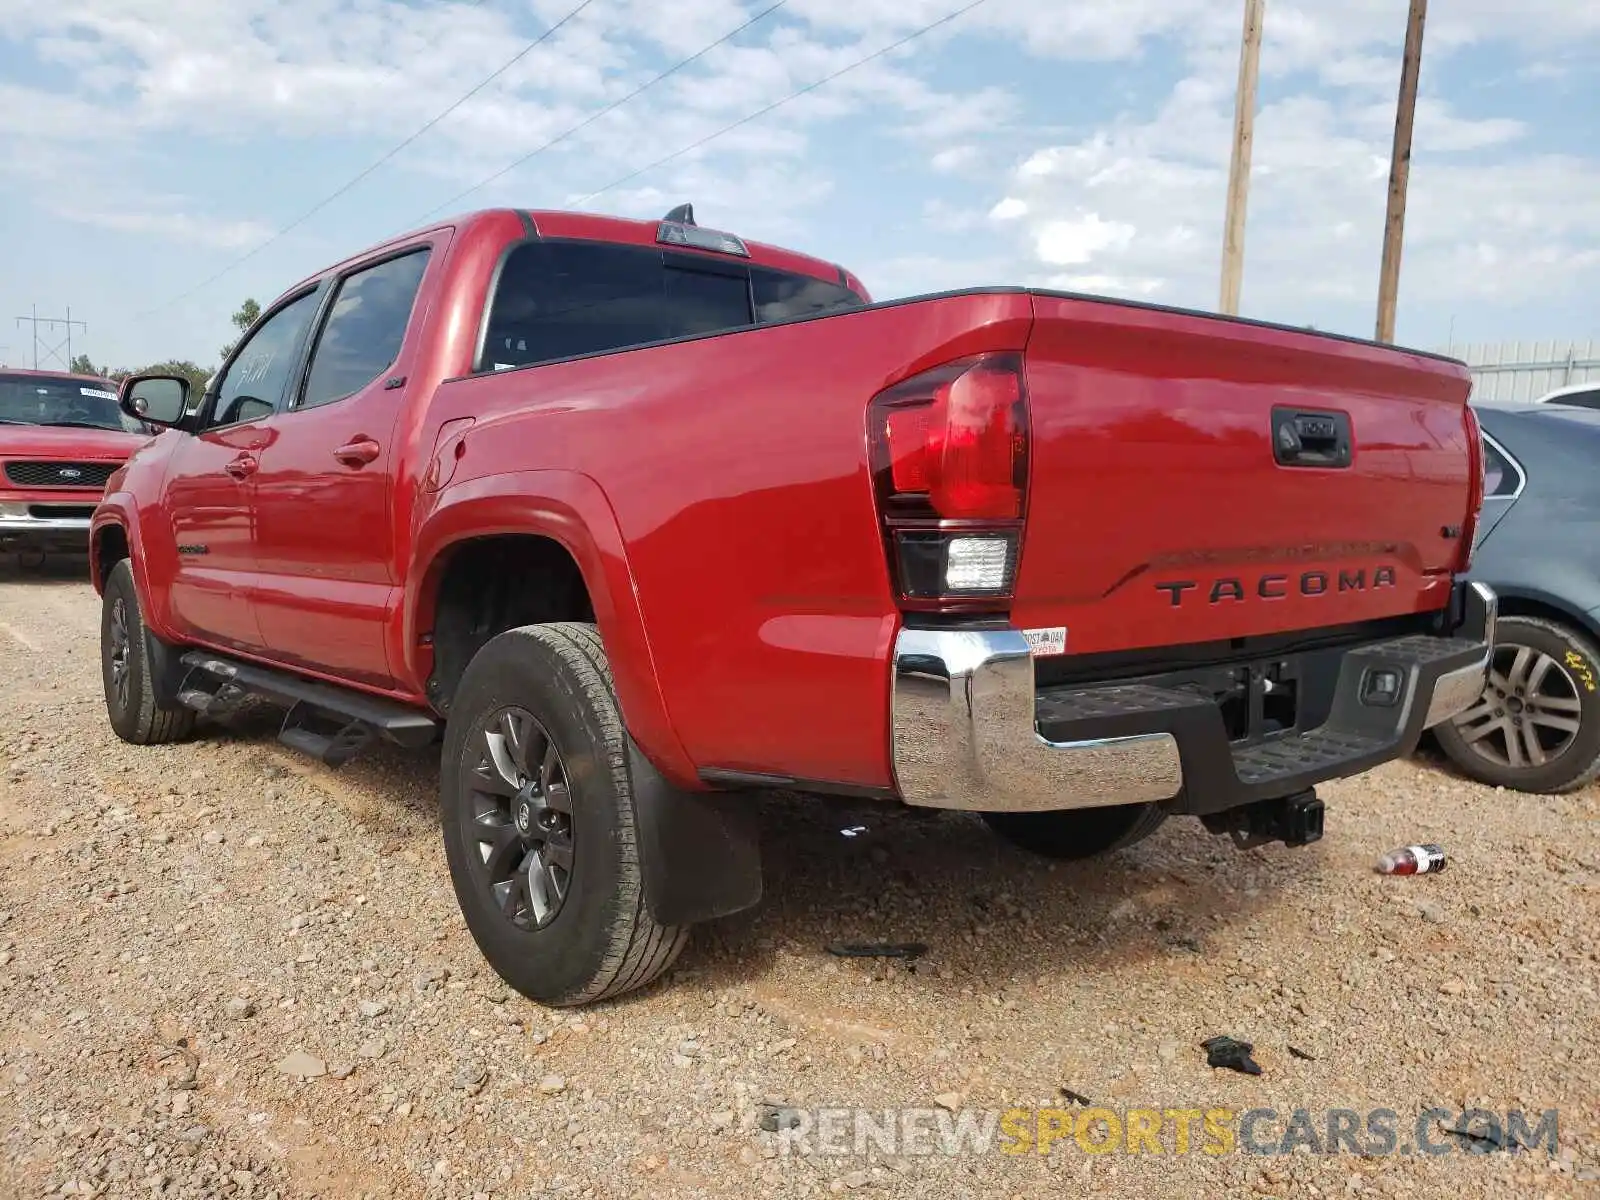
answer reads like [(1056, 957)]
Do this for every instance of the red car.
[(640, 518), (61, 437)]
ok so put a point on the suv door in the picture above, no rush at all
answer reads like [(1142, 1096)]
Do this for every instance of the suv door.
[(210, 480), (325, 536)]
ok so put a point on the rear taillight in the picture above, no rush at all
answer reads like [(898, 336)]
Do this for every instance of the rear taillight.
[(949, 453), (1477, 465)]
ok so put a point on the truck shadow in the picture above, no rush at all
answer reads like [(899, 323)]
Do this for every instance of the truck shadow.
[(877, 872), (55, 569), (985, 910)]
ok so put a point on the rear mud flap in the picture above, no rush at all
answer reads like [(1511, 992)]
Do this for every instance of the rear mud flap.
[(700, 852)]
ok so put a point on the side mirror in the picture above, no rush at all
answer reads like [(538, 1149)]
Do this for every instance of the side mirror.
[(158, 400)]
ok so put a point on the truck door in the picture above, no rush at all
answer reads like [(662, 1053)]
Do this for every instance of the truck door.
[(325, 531), (210, 486)]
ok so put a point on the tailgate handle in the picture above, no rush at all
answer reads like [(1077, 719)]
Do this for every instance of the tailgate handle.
[(1308, 438)]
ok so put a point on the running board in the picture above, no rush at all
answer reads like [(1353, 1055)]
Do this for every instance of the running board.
[(328, 722)]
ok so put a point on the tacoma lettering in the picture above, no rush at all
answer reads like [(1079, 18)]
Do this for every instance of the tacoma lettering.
[(1231, 588)]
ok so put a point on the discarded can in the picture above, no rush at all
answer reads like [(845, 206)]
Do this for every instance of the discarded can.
[(1427, 859)]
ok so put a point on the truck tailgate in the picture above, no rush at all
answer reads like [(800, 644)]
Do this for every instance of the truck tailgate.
[(1159, 512)]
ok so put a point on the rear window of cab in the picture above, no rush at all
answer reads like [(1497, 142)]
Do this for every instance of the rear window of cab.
[(563, 299)]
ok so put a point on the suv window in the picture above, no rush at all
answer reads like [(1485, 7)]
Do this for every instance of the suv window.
[(562, 299), (1589, 399), (365, 328), (253, 386)]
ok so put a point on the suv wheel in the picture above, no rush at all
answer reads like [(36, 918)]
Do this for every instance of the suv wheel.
[(1078, 833), (136, 715), (538, 819), (1536, 727)]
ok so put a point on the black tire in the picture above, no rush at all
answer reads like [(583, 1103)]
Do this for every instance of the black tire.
[(136, 715), (1481, 743), (599, 940), (1073, 834)]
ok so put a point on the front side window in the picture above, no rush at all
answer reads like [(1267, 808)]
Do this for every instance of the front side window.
[(564, 299), (64, 402), (365, 329), (253, 386)]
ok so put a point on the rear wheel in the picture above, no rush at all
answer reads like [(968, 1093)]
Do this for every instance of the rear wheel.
[(1078, 833), (1536, 727), (538, 820), (136, 714)]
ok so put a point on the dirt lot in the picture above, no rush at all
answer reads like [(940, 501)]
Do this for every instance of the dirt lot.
[(176, 923)]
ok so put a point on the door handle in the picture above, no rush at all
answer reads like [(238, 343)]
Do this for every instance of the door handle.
[(242, 467), (358, 452)]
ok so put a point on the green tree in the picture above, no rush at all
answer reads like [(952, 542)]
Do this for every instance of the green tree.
[(195, 374), (247, 315), (81, 364)]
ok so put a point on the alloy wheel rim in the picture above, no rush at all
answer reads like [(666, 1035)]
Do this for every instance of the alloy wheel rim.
[(119, 651), (518, 817), (1529, 713)]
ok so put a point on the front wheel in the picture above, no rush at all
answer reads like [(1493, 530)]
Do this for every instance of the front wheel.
[(136, 714), (1072, 834), (1536, 727), (538, 817)]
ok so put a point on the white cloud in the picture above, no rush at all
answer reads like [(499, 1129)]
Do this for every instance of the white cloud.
[(1137, 203), (381, 68), (1126, 202), (1080, 240), (174, 225), (954, 158)]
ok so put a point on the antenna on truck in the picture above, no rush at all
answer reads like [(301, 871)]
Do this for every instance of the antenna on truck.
[(682, 215)]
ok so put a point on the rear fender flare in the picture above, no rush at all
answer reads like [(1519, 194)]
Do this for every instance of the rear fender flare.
[(572, 510)]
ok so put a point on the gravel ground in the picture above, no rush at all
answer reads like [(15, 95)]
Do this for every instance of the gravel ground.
[(226, 971)]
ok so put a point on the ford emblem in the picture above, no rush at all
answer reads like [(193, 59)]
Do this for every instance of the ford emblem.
[(70, 473)]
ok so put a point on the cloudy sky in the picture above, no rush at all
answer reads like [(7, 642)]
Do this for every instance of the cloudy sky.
[(149, 146)]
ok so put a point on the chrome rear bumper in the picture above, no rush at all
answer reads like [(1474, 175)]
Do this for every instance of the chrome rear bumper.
[(971, 731)]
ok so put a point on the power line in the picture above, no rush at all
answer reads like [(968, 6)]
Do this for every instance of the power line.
[(777, 104), (60, 351), (340, 191), (610, 108)]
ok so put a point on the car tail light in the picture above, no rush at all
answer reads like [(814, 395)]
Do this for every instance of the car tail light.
[(949, 453), (1477, 466)]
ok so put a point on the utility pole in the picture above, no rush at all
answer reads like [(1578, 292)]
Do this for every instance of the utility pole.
[(1394, 225), (1244, 123), (52, 350)]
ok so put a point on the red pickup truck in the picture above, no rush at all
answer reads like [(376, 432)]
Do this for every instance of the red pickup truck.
[(640, 517), (61, 437)]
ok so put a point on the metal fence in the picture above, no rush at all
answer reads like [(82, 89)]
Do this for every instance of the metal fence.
[(1527, 370)]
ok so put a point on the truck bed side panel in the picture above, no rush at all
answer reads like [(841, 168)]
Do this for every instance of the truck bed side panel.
[(736, 467)]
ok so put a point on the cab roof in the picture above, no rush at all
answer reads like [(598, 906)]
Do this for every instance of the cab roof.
[(555, 223)]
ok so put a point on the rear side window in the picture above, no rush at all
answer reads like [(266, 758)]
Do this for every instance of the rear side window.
[(563, 299), (780, 296), (1500, 474), (365, 328)]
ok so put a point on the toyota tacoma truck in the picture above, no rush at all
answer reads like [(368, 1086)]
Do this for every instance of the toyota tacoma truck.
[(639, 518), (61, 437)]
